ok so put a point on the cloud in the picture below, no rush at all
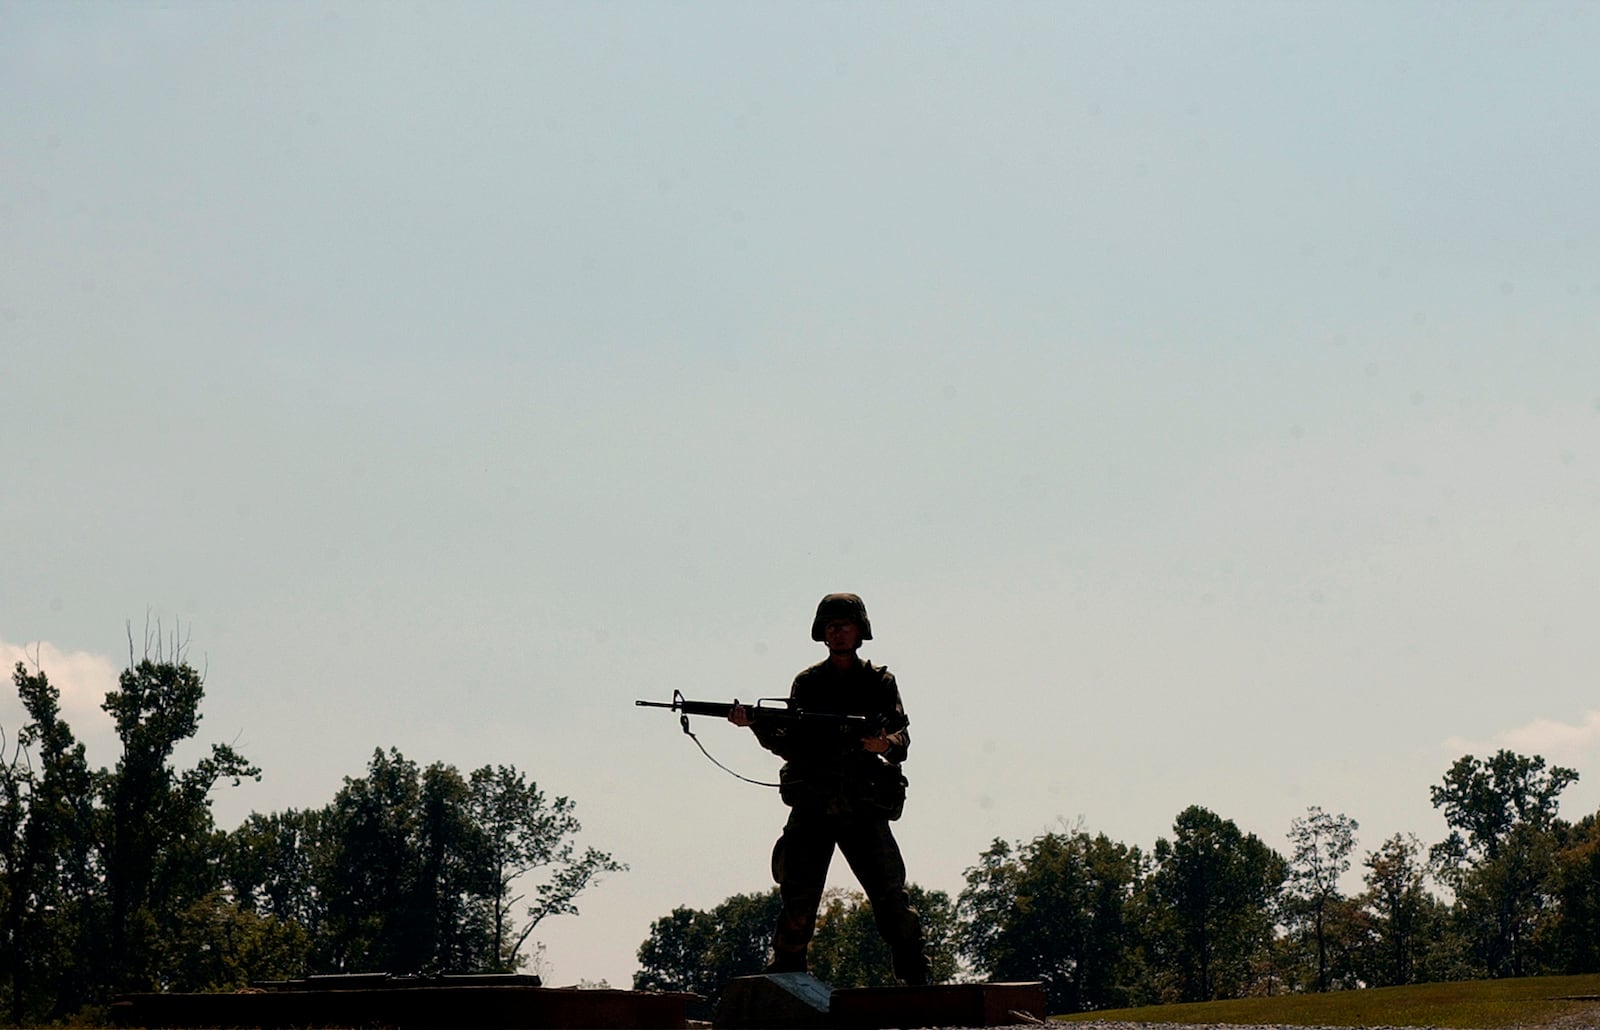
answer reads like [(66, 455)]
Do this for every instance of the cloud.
[(1557, 742), (83, 679)]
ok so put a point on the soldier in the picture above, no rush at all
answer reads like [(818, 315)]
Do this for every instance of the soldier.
[(842, 790)]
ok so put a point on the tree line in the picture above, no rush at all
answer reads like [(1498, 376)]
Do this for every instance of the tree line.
[(1212, 912), (118, 880)]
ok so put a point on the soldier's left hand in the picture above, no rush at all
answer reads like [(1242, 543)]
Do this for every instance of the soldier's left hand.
[(877, 745)]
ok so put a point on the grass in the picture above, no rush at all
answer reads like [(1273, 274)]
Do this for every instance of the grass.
[(1545, 1001)]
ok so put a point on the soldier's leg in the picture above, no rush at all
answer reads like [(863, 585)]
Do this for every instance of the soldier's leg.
[(800, 867), (869, 846)]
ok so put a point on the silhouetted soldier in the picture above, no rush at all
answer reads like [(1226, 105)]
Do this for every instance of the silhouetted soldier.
[(842, 790)]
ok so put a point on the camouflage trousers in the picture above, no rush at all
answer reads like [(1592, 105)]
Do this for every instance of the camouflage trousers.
[(800, 862)]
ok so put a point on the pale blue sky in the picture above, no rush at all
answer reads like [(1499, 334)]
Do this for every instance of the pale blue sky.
[(1204, 397)]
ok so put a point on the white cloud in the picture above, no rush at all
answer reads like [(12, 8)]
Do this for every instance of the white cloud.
[(1557, 742), (83, 679)]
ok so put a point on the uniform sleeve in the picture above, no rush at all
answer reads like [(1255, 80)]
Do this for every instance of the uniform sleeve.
[(896, 713)]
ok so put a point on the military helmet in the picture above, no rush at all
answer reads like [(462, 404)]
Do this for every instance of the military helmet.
[(841, 606)]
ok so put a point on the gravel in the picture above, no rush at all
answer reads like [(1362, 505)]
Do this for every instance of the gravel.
[(1112, 1025)]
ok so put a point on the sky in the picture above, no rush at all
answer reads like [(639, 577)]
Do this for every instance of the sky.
[(1204, 398)]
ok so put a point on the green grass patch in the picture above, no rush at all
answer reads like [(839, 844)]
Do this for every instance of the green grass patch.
[(1545, 1001)]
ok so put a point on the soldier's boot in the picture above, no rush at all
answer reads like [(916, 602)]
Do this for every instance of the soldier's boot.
[(911, 967), (901, 929), (791, 938), (788, 962)]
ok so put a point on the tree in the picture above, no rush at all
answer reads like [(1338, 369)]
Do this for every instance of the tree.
[(1488, 800), (1057, 910), (48, 871), (97, 865), (424, 867), (523, 833), (218, 946), (159, 837), (454, 876), (1322, 845), (118, 880), (1398, 904), (15, 781), (701, 951), (672, 957), (271, 866), (1500, 854), (1577, 889), (848, 950), (372, 921), (1207, 909)]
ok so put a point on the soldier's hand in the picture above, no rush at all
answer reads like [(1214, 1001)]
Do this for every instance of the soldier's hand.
[(739, 715), (877, 745)]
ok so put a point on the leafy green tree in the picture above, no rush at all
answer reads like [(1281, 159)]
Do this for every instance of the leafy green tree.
[(158, 837), (1577, 891), (271, 866), (218, 946), (1207, 909), (418, 870), (99, 865), (701, 951), (1352, 947), (15, 781), (454, 876), (742, 944), (1056, 909), (1398, 904), (848, 950), (408, 861), (672, 957), (1500, 855), (1451, 950), (1312, 901), (119, 880), (48, 869), (373, 923), (1507, 905), (526, 833), (1487, 800)]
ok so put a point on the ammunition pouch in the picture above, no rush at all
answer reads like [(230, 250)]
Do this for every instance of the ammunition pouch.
[(887, 798), (874, 788)]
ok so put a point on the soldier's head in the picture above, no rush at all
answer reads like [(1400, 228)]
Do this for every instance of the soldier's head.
[(842, 613)]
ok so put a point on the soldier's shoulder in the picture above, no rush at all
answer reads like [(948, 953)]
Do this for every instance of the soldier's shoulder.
[(881, 672), (812, 671)]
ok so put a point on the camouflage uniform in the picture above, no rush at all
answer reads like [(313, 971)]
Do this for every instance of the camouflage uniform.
[(842, 795)]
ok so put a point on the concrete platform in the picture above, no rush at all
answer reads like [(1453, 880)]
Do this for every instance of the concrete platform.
[(963, 1005), (411, 1007), (774, 1000), (777, 1001)]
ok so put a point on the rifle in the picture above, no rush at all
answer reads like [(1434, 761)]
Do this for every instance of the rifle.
[(769, 709), (766, 709)]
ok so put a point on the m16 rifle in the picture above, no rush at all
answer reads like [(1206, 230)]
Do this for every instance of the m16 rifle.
[(764, 709), (771, 710)]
